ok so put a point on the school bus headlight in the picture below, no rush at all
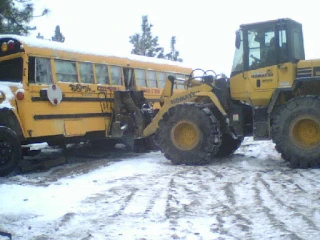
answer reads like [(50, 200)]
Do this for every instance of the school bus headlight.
[(4, 47)]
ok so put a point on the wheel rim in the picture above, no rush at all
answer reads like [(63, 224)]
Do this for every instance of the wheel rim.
[(305, 132), (6, 152), (185, 135)]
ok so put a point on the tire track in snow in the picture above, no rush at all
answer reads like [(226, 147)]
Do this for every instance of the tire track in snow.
[(125, 201), (266, 213), (206, 198), (310, 176), (287, 214)]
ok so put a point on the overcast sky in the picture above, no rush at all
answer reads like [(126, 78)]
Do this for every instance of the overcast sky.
[(204, 29)]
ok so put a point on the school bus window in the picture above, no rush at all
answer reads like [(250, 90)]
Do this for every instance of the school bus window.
[(116, 75), (43, 70), (102, 75), (162, 78), (66, 71), (152, 79), (180, 81), (11, 70), (86, 72), (141, 77)]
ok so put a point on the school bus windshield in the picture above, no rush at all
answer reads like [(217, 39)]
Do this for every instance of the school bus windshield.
[(11, 70)]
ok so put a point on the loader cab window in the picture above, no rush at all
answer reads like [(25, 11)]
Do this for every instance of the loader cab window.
[(262, 47), (283, 47), (297, 43)]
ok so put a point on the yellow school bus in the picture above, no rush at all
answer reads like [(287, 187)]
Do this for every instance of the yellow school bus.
[(50, 92)]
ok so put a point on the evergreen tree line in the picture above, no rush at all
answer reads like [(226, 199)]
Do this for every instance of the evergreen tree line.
[(146, 45), (57, 37), (15, 16)]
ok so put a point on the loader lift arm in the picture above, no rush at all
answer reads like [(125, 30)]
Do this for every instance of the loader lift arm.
[(199, 89)]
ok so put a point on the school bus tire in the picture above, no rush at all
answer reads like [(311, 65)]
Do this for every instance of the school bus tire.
[(189, 134), (10, 151)]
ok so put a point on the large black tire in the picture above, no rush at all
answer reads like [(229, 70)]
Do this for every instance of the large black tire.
[(189, 134), (228, 145), (10, 151), (296, 131)]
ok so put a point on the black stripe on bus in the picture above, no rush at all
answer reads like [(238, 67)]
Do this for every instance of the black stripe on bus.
[(74, 99), (67, 116)]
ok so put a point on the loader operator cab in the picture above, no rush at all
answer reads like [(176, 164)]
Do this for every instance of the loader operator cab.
[(267, 43), (261, 50)]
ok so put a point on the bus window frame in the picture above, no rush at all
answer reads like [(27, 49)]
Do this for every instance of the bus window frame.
[(35, 70), (80, 75), (136, 80), (77, 70), (166, 77), (148, 80), (111, 79), (95, 73)]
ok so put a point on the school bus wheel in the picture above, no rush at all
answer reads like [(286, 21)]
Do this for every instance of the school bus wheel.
[(10, 150)]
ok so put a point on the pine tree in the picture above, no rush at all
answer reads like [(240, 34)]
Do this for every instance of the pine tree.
[(39, 36), (174, 54), (58, 37), (145, 44), (15, 16)]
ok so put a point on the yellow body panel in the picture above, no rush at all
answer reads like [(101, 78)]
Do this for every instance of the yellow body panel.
[(256, 87), (309, 64)]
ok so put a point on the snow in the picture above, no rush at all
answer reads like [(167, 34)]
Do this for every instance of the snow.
[(253, 194), (5, 89), (36, 146), (7, 94), (87, 49)]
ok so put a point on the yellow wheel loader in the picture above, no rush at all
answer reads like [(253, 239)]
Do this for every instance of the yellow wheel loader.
[(272, 93)]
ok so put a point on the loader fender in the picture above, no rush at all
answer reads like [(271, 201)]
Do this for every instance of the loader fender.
[(214, 99)]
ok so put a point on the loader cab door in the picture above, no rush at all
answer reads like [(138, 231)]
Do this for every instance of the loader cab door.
[(267, 48)]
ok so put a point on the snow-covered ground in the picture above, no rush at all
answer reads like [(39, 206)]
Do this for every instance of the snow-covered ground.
[(252, 195)]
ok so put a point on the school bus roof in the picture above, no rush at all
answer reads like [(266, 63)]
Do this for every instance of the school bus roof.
[(45, 48)]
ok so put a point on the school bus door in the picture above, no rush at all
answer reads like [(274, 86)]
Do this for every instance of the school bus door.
[(128, 74)]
